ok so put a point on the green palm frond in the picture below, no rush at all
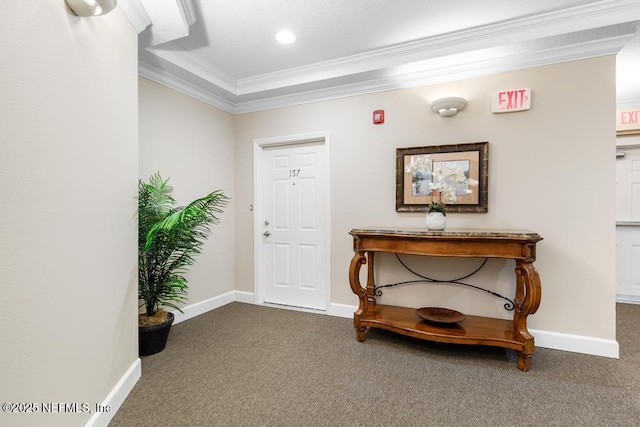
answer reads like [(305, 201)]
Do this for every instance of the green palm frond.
[(169, 239)]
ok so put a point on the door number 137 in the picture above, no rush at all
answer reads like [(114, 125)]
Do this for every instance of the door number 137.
[(294, 172)]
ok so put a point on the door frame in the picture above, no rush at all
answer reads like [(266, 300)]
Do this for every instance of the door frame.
[(259, 145)]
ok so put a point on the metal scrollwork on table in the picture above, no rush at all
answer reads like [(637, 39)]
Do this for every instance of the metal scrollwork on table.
[(509, 305)]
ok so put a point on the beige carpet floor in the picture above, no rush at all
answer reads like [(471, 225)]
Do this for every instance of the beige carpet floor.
[(246, 365)]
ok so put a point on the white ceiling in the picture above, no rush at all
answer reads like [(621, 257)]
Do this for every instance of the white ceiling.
[(225, 52)]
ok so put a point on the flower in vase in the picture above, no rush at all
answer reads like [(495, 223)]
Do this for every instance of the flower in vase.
[(444, 179)]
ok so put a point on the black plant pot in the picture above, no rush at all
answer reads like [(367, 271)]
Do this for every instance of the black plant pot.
[(152, 339)]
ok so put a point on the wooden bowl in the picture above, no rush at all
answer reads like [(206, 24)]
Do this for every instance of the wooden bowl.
[(440, 315)]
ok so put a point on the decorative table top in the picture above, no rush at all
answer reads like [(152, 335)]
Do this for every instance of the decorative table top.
[(448, 233)]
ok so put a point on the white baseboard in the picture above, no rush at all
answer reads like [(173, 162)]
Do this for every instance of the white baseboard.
[(245, 297), (628, 299), (576, 343), (342, 310), (117, 396), (337, 310), (203, 306), (545, 339)]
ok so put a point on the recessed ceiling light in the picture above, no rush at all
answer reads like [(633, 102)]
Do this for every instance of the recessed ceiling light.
[(286, 37)]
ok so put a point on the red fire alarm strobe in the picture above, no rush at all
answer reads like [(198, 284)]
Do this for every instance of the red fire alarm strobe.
[(378, 117)]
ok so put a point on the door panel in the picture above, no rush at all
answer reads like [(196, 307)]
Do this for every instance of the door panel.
[(308, 204), (308, 257), (281, 206)]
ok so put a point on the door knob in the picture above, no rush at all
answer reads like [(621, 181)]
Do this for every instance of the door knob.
[(266, 233)]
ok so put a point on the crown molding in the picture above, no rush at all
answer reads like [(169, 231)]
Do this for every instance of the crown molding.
[(432, 75), (172, 52), (157, 75), (424, 59), (189, 11), (138, 16), (135, 13), (409, 52), (628, 103), (517, 30), (170, 20), (444, 74)]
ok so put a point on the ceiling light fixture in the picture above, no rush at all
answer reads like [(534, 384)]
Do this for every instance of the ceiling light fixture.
[(91, 7), (286, 37), (448, 107)]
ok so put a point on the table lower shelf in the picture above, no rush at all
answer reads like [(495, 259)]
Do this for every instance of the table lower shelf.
[(472, 330)]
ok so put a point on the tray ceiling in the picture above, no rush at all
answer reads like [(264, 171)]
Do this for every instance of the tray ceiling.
[(225, 53)]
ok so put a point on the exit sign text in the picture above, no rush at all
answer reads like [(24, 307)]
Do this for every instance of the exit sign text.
[(507, 101), (628, 119)]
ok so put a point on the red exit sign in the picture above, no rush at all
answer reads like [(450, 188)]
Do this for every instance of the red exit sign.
[(507, 101), (628, 119)]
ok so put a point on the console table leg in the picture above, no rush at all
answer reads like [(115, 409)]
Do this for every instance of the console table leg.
[(358, 259), (528, 292), (524, 361), (371, 284)]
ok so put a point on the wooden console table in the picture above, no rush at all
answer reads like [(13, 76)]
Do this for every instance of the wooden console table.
[(517, 245)]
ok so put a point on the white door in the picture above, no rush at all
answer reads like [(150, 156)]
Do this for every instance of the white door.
[(294, 225), (628, 224)]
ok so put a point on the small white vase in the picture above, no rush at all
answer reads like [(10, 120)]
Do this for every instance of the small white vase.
[(436, 221)]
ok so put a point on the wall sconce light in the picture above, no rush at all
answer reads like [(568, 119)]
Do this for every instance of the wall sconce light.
[(91, 7), (448, 107)]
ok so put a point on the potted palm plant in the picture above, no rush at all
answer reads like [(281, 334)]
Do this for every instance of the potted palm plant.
[(169, 239)]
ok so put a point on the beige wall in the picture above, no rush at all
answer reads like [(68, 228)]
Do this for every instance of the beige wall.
[(551, 171), (68, 162), (191, 143)]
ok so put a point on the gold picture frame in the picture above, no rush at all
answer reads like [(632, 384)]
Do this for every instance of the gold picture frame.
[(473, 158)]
